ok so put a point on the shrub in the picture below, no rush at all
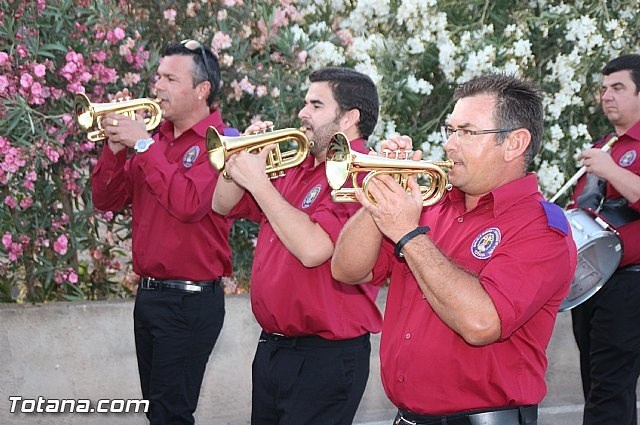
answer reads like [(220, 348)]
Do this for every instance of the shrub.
[(55, 246)]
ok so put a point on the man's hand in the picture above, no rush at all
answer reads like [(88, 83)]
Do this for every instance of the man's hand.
[(258, 127), (399, 146), (598, 162), (121, 130), (248, 169), (395, 211)]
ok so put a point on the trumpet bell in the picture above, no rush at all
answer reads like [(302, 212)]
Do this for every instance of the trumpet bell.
[(342, 162), (291, 149), (338, 161), (83, 111)]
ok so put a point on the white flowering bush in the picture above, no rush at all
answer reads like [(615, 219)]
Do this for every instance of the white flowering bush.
[(55, 246)]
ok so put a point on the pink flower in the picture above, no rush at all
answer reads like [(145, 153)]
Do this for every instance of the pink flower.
[(4, 58), (6, 240), (119, 33), (10, 202), (170, 15), (61, 244), (73, 277), (26, 202), (39, 70), (220, 41), (4, 83), (26, 80), (36, 89), (261, 91)]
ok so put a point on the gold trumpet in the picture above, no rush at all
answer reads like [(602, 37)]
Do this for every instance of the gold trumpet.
[(220, 148), (89, 115), (342, 162)]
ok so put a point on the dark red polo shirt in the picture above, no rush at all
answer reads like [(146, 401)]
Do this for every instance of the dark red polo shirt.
[(520, 249), (286, 296), (176, 235), (625, 153)]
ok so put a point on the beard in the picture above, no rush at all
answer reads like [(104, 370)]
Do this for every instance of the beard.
[(322, 136)]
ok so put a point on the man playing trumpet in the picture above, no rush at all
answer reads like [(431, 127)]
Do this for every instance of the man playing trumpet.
[(180, 246), (312, 361), (476, 279)]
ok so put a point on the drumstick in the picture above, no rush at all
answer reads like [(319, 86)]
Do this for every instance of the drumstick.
[(581, 171)]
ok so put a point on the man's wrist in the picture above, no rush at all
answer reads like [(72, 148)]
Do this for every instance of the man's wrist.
[(142, 145), (420, 230)]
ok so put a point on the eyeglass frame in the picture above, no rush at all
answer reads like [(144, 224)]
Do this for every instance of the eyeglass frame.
[(445, 129), (194, 50)]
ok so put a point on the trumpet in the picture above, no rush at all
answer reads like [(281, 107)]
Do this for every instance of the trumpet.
[(220, 148), (342, 162), (89, 115)]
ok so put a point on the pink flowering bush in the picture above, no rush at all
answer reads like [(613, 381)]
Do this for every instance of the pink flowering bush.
[(54, 246)]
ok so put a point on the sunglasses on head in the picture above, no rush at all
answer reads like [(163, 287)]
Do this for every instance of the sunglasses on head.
[(195, 46)]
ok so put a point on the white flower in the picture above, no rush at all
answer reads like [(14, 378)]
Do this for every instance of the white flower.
[(550, 177), (415, 46), (418, 86), (325, 53)]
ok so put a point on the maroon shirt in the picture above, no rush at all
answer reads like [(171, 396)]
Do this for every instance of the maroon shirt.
[(294, 300), (176, 235), (626, 153), (522, 252)]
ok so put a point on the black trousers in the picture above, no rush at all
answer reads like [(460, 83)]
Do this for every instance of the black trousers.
[(607, 330), (308, 380), (175, 333)]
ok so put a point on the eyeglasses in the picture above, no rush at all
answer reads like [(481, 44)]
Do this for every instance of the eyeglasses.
[(461, 133), (193, 46)]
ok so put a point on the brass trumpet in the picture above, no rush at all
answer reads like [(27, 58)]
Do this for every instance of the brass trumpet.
[(342, 162), (220, 148), (89, 115)]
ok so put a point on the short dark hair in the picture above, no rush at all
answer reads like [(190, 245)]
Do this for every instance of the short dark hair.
[(518, 105), (352, 90), (629, 63), (200, 72)]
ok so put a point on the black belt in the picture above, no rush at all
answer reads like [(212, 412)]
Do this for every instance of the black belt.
[(191, 286), (310, 340), (631, 268), (507, 416)]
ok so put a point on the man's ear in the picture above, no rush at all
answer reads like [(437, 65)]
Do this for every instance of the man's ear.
[(203, 89), (350, 119), (516, 144)]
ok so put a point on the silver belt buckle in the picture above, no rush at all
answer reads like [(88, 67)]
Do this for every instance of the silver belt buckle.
[(402, 420), (192, 288)]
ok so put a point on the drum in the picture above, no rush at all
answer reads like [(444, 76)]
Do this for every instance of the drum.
[(599, 253)]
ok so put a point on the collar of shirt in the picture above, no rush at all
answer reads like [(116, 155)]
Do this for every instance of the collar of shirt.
[(213, 119), (503, 196), (634, 132)]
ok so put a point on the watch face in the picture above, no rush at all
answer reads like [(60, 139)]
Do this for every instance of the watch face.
[(143, 144)]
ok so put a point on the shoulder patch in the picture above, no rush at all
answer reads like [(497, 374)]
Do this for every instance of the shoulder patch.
[(230, 131), (555, 217)]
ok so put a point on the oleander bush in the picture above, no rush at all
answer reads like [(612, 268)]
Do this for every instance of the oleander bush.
[(55, 246)]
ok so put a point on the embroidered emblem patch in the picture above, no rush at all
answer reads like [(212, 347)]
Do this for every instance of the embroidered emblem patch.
[(190, 156), (628, 158), (485, 243), (311, 196)]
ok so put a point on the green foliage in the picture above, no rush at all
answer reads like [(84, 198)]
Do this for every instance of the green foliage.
[(55, 246)]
